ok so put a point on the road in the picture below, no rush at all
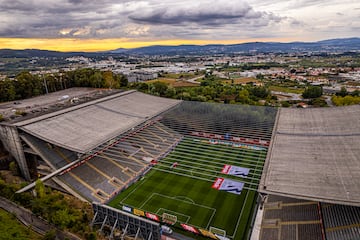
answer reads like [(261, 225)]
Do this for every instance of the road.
[(30, 220), (289, 96), (328, 101), (193, 80)]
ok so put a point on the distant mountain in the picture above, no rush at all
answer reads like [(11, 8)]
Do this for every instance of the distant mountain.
[(331, 45), (28, 53)]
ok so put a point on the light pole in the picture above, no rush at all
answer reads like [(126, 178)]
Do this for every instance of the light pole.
[(46, 88)]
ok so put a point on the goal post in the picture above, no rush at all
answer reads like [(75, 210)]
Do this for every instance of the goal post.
[(169, 218), (218, 231)]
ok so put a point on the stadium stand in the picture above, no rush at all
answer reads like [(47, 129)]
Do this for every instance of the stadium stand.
[(300, 211), (114, 165), (79, 186), (341, 222), (270, 233), (308, 231), (111, 167), (116, 139), (288, 232), (286, 218), (55, 156), (256, 122), (289, 218)]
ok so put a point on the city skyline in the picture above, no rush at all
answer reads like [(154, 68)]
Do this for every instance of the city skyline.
[(79, 25)]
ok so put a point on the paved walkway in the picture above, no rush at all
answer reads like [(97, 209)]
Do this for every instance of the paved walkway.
[(30, 220)]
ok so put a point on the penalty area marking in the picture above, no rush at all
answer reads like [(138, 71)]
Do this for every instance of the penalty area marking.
[(143, 180), (185, 198), (176, 199)]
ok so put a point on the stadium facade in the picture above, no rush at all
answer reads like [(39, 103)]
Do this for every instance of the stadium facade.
[(96, 149)]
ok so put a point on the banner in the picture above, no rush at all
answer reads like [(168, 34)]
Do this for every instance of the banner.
[(138, 212), (127, 209), (189, 228), (228, 185), (206, 233), (235, 171), (152, 216), (169, 218), (217, 183)]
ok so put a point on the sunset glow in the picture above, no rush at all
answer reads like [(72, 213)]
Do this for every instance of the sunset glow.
[(92, 45), (80, 25)]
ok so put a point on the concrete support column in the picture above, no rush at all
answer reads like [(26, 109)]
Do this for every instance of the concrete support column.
[(9, 135)]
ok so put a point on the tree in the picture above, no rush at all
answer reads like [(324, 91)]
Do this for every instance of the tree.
[(356, 93), (62, 218), (123, 80), (110, 81), (318, 102), (28, 86), (50, 235), (312, 92), (7, 90), (347, 100), (96, 80), (260, 92), (170, 92), (343, 92), (144, 87), (159, 88), (40, 189), (243, 96), (90, 236), (13, 167), (285, 104)]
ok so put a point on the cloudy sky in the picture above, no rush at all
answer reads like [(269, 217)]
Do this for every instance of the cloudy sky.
[(92, 25)]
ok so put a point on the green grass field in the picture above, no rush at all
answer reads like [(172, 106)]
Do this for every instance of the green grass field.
[(11, 228), (186, 191)]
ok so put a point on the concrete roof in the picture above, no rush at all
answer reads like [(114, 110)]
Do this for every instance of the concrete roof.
[(83, 127), (51, 102), (315, 154)]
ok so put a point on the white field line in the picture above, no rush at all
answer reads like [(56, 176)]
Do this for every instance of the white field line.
[(173, 212)]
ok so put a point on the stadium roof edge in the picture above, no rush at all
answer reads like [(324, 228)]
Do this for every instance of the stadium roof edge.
[(53, 114), (314, 155), (266, 164), (311, 198), (84, 127)]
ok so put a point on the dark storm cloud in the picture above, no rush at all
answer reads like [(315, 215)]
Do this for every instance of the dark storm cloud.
[(206, 13), (77, 1), (208, 19), (46, 18), (51, 18)]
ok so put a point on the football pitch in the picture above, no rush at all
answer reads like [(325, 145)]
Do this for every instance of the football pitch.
[(181, 184)]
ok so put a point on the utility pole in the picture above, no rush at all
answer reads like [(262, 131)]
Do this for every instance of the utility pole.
[(46, 88)]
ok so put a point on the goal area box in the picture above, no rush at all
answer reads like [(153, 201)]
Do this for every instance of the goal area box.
[(218, 231), (169, 218)]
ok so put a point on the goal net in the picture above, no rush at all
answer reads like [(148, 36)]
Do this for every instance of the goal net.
[(169, 218)]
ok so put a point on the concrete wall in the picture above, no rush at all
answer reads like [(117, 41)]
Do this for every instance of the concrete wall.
[(12, 143)]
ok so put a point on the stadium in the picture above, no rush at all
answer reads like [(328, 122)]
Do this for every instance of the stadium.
[(206, 170)]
